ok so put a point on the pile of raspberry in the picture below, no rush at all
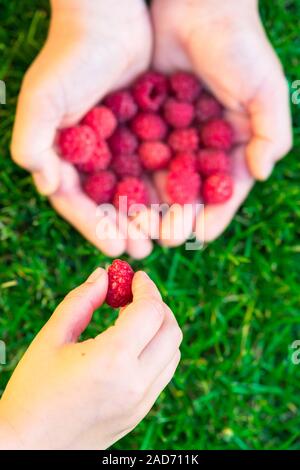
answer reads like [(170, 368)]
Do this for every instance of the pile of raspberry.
[(158, 123)]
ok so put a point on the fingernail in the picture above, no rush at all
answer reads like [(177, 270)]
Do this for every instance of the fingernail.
[(95, 275)]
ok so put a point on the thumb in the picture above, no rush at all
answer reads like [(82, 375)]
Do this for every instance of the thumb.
[(74, 313), (36, 122)]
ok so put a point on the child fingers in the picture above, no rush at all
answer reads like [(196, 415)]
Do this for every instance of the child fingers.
[(95, 224)]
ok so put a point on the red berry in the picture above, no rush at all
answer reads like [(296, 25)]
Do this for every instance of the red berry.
[(184, 140), (102, 121), (99, 160), (119, 292), (134, 190), (183, 187), (77, 144), (127, 165), (154, 155), (207, 107), (123, 141), (211, 161), (185, 86), (149, 126), (150, 91), (217, 134), (178, 114), (122, 105), (100, 186), (185, 161), (217, 188)]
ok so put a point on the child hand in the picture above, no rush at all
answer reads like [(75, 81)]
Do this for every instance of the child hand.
[(92, 47), (66, 394), (223, 42)]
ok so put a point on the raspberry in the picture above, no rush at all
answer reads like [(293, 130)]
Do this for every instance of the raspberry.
[(211, 161), (127, 165), (185, 86), (132, 188), (100, 186), (183, 187), (119, 292), (217, 134), (185, 161), (122, 104), (77, 144), (99, 160), (102, 121), (217, 188), (184, 140), (123, 141), (207, 107), (178, 114), (149, 126), (150, 91), (154, 155)]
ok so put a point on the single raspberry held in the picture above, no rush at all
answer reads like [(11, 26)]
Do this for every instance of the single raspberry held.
[(100, 187), (217, 188), (207, 108), (150, 91), (186, 86), (184, 140), (149, 126), (102, 121), (178, 114), (122, 104), (127, 165), (77, 144), (183, 188), (99, 160), (217, 134), (154, 155), (134, 190), (185, 161), (123, 142), (119, 292), (211, 161)]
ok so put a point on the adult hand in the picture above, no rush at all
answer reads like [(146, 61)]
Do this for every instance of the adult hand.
[(93, 46), (225, 45)]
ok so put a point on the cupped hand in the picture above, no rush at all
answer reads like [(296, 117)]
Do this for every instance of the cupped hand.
[(66, 394), (92, 48), (225, 45)]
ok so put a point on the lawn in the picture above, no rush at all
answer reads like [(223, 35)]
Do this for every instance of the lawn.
[(237, 300)]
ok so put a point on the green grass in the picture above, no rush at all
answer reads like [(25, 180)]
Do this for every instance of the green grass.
[(237, 301)]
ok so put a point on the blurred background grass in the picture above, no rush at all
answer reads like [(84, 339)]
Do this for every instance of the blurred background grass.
[(237, 301)]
